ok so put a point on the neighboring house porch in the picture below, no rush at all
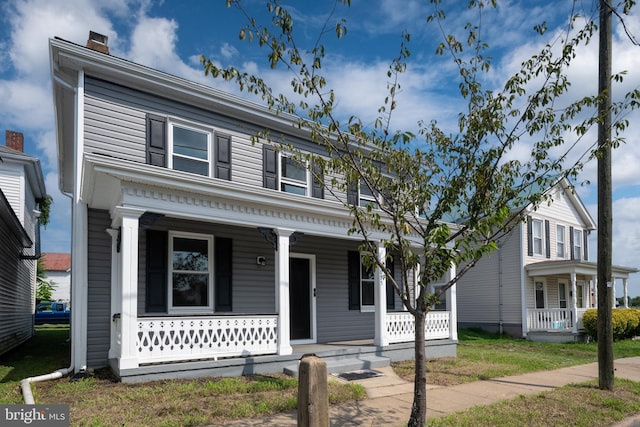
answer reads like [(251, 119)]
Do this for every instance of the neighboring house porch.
[(559, 292)]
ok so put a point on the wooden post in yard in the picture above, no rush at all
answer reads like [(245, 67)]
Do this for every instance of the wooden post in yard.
[(313, 393)]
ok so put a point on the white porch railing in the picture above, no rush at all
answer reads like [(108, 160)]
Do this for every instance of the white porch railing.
[(543, 319), (170, 339), (401, 326)]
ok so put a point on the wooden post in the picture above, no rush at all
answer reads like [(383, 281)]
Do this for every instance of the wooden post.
[(313, 394)]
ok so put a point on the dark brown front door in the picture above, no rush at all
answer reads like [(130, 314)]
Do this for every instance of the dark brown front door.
[(300, 298)]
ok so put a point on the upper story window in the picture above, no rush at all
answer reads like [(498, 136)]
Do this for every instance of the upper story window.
[(190, 149), (294, 177), (560, 241), (538, 241), (190, 272), (577, 244), (366, 196)]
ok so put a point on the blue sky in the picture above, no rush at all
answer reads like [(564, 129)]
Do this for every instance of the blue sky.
[(171, 35)]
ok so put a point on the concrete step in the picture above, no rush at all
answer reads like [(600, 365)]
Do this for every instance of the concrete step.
[(338, 366)]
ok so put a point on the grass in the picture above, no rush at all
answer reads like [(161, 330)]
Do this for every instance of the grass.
[(101, 401)]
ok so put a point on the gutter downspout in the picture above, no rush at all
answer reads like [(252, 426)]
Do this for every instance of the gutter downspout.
[(500, 316)]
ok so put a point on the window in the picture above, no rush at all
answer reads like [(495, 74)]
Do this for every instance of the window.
[(540, 297), (293, 176), (562, 295), (577, 244), (560, 241), (441, 305), (190, 149), (190, 272), (366, 196), (538, 245), (367, 284)]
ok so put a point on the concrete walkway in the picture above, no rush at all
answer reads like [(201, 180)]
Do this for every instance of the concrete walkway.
[(389, 397)]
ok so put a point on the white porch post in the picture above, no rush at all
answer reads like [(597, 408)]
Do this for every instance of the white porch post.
[(453, 305), (282, 290), (613, 292), (626, 295), (574, 302), (116, 294), (595, 290), (380, 297), (128, 277)]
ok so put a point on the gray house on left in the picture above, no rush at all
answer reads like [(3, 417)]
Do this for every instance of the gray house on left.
[(21, 185)]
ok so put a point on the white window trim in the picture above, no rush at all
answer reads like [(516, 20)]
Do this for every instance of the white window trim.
[(577, 243), (196, 128), (563, 241), (567, 300), (366, 198), (542, 239), (200, 309), (368, 308), (296, 183)]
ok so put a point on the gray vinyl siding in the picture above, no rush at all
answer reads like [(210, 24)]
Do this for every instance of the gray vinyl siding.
[(16, 292), (115, 126), (253, 285), (99, 284), (478, 291)]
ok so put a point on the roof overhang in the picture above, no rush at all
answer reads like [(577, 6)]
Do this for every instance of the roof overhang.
[(587, 268)]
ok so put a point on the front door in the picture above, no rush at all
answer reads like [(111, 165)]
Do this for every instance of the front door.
[(301, 299)]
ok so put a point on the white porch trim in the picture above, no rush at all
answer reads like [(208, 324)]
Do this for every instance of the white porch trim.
[(380, 298), (282, 290)]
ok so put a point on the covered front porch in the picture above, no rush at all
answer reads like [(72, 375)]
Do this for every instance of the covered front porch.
[(557, 295)]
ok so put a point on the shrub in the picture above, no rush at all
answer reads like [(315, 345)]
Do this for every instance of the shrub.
[(625, 322), (590, 323)]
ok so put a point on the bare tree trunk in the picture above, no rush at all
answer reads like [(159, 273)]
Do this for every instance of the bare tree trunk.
[(419, 407)]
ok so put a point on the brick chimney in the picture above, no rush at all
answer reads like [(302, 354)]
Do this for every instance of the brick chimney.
[(15, 140), (98, 42)]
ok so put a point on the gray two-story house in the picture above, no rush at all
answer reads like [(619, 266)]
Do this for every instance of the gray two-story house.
[(198, 252)]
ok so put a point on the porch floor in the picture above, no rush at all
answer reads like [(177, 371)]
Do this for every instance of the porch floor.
[(342, 356)]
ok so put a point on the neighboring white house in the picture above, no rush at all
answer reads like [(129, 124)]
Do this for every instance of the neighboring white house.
[(540, 280), (21, 185), (57, 268), (197, 252)]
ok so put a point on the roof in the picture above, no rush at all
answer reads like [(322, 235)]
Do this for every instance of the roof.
[(54, 261), (567, 266), (32, 166)]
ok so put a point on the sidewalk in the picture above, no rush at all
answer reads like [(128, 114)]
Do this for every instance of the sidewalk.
[(390, 397)]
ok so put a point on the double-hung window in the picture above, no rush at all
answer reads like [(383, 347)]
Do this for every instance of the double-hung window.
[(538, 241), (366, 196), (560, 241), (367, 285), (577, 244), (294, 176), (190, 148), (190, 272)]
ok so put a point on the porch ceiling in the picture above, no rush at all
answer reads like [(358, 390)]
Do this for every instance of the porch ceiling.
[(557, 267)]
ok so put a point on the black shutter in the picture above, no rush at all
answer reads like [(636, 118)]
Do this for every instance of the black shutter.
[(269, 167), (529, 236), (352, 194), (391, 292), (317, 184), (156, 272), (547, 237), (156, 140), (573, 256), (354, 280), (223, 156), (223, 275), (585, 248)]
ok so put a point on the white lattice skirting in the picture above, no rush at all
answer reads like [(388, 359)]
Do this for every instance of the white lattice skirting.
[(190, 338)]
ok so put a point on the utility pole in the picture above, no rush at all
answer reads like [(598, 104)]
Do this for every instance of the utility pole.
[(605, 223)]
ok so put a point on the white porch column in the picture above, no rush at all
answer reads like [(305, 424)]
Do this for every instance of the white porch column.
[(453, 305), (116, 295), (128, 276), (613, 292), (626, 295), (282, 290), (574, 302), (380, 297), (595, 290)]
